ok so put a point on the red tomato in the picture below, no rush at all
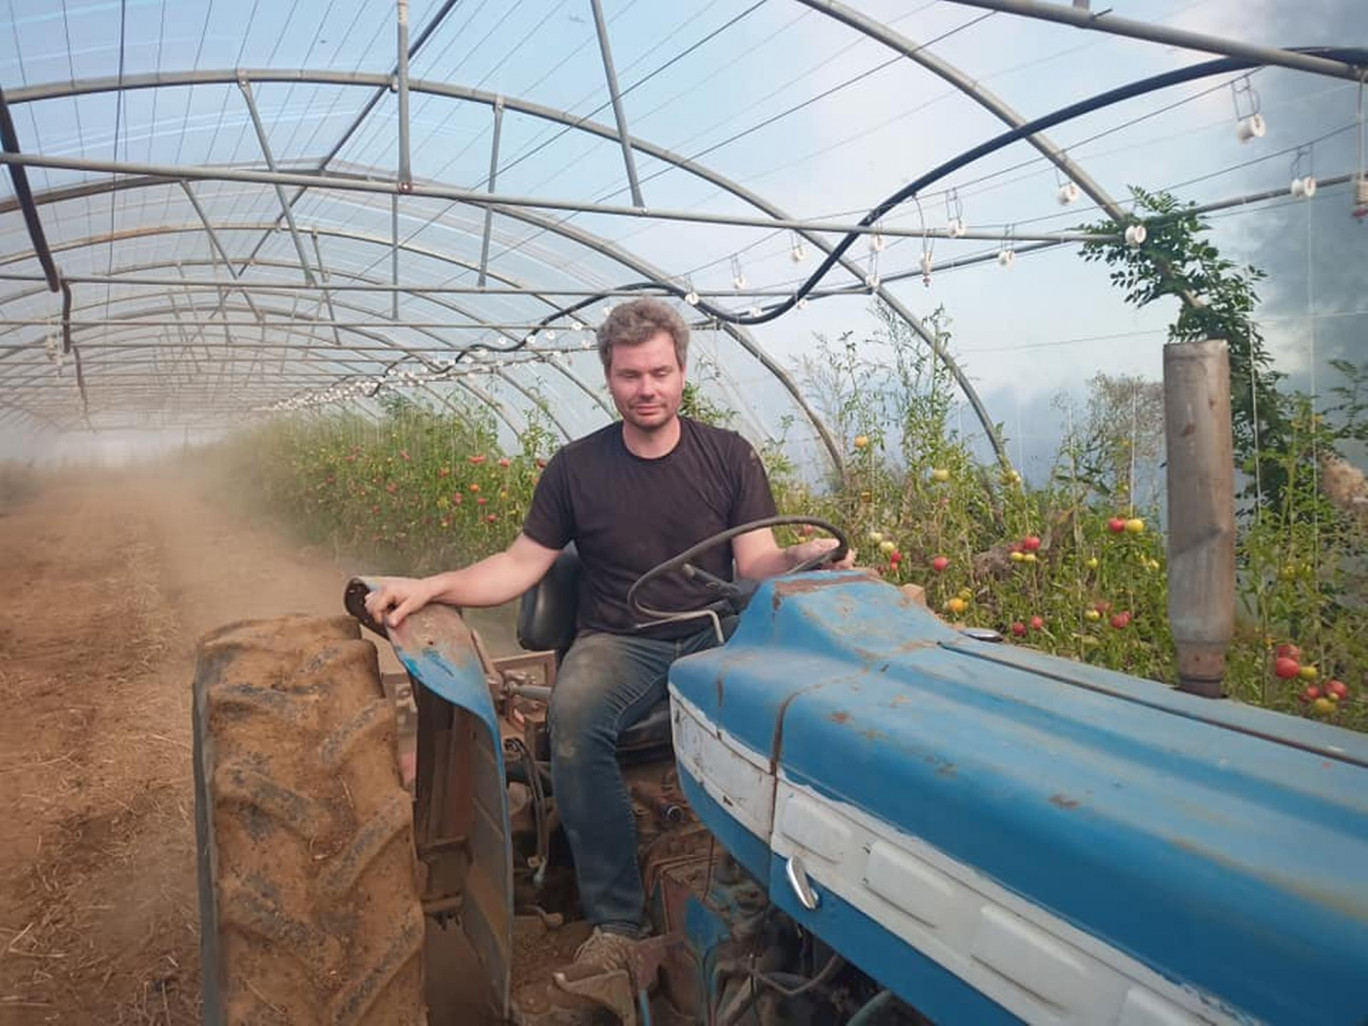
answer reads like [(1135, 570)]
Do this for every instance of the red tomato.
[(1037, 623), (895, 557), (1288, 650), (1286, 667), (1120, 620), (939, 564), (1030, 543), (1116, 525), (1336, 689), (476, 460), (1311, 693), (503, 462), (1018, 628)]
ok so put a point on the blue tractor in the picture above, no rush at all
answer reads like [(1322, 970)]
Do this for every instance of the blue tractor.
[(849, 812)]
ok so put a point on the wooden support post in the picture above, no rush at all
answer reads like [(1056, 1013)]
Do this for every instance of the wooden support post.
[(1201, 511)]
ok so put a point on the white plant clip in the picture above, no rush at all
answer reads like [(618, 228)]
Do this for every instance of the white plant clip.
[(1250, 123), (956, 227)]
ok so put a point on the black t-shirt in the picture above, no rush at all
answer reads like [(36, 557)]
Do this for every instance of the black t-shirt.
[(626, 514)]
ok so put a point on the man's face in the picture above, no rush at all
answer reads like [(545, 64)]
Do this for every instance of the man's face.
[(647, 382)]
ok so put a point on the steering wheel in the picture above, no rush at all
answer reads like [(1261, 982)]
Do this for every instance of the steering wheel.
[(727, 590)]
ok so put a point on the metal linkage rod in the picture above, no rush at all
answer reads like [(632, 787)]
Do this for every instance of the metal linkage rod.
[(610, 72), (10, 140), (1105, 21), (493, 174), (286, 208), (327, 290), (408, 54), (370, 185), (218, 246)]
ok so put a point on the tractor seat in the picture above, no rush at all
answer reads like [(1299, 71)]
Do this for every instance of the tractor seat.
[(546, 623)]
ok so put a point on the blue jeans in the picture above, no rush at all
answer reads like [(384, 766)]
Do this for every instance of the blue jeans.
[(606, 683)]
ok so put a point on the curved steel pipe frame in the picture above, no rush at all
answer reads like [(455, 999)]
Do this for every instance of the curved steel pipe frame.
[(594, 128), (565, 371)]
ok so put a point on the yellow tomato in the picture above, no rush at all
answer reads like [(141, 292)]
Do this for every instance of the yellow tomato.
[(1135, 525)]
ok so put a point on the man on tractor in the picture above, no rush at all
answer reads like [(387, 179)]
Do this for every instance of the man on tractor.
[(629, 496)]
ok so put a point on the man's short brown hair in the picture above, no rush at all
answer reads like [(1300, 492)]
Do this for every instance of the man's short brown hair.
[(638, 321)]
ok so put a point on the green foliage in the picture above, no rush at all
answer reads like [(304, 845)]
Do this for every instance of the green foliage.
[(697, 404), (914, 492), (1217, 299), (405, 491), (1301, 557)]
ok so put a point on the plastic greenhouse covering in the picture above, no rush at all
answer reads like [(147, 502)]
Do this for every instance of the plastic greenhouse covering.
[(217, 212)]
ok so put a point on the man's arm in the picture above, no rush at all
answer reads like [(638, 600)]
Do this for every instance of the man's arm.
[(759, 556), (490, 582)]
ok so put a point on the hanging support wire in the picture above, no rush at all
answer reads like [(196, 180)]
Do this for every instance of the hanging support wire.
[(1361, 172)]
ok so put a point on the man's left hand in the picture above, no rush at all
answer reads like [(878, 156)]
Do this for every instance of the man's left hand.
[(804, 551)]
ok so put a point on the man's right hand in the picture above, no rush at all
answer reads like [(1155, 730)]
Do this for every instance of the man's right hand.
[(397, 597)]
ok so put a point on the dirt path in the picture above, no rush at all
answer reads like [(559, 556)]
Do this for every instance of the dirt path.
[(110, 582)]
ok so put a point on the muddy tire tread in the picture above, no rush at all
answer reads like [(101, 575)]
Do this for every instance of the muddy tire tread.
[(310, 910)]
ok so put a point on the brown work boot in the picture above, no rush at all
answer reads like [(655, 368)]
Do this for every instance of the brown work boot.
[(604, 951), (596, 988)]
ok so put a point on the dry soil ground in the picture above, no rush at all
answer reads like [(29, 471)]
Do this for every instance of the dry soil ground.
[(110, 579)]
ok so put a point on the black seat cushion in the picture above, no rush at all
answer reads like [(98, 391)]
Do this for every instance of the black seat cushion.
[(547, 610), (546, 622), (651, 731)]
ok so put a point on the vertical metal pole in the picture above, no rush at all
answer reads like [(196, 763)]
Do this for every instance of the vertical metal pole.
[(1201, 511), (405, 170), (265, 144), (402, 74), (608, 70), (394, 256), (493, 174)]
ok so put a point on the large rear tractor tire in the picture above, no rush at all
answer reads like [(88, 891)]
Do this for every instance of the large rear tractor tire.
[(309, 901)]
